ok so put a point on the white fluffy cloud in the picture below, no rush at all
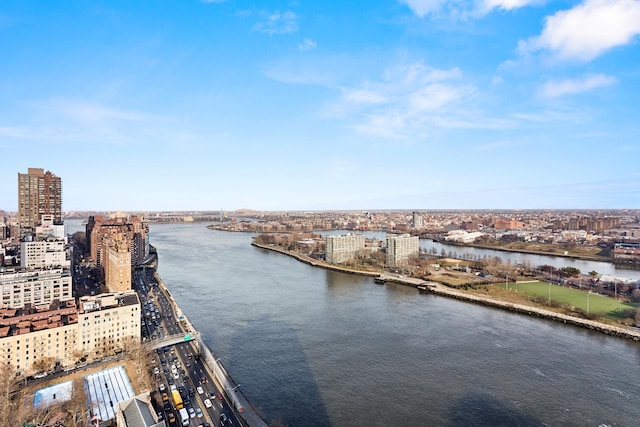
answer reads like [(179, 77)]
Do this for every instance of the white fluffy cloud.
[(306, 45), (488, 5), (588, 30), (465, 8), (408, 101), (424, 7), (278, 23), (556, 88)]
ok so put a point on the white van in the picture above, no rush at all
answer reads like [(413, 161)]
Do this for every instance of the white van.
[(184, 417)]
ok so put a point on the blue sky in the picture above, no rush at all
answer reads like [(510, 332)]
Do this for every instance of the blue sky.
[(308, 105)]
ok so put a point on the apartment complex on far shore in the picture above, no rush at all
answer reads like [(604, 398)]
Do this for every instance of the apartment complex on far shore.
[(342, 248), (400, 248)]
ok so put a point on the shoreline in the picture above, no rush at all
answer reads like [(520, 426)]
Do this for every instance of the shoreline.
[(524, 251), (442, 290), (595, 258)]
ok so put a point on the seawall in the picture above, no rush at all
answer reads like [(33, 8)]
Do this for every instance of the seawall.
[(316, 263), (439, 289), (442, 290)]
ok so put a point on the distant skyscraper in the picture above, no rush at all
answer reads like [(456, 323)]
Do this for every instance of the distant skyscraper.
[(39, 193), (417, 221)]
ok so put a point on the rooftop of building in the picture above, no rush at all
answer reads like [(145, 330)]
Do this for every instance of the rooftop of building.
[(106, 301), (18, 321)]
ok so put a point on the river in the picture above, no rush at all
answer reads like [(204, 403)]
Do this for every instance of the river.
[(317, 348), (311, 347)]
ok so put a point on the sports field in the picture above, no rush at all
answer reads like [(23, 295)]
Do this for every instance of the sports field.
[(596, 303)]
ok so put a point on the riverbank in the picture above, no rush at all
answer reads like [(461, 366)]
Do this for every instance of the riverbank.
[(439, 289), (442, 290), (315, 262), (530, 252)]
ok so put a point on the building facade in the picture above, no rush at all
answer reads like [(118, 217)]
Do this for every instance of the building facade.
[(107, 322), (37, 340), (42, 253), (49, 228), (134, 228), (340, 249), (417, 221), (117, 267), (36, 286), (400, 248), (39, 193)]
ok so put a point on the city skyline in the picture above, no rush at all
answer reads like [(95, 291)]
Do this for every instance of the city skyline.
[(396, 104)]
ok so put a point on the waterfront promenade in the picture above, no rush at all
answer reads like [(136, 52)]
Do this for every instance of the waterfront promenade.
[(442, 290)]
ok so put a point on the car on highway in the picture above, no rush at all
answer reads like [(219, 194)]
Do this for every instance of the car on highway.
[(192, 413), (200, 390), (199, 412), (207, 403), (161, 387), (171, 418), (223, 418), (176, 376)]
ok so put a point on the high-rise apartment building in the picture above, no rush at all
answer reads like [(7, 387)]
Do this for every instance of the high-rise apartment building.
[(343, 248), (117, 265), (39, 193), (134, 229), (417, 221), (400, 248)]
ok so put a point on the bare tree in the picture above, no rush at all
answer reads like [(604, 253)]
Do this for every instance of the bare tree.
[(8, 386), (44, 364), (76, 406)]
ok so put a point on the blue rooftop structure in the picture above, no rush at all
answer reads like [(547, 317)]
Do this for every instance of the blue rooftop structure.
[(53, 394)]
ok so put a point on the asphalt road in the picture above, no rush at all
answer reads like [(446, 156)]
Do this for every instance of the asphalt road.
[(191, 371)]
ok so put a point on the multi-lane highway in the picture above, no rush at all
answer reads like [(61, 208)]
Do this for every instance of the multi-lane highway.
[(179, 365)]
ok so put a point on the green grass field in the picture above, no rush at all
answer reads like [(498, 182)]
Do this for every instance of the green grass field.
[(597, 303)]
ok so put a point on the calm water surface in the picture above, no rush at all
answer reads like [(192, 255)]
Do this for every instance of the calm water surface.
[(317, 348)]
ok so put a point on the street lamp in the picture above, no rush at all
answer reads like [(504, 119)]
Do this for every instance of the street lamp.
[(549, 292), (588, 302)]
